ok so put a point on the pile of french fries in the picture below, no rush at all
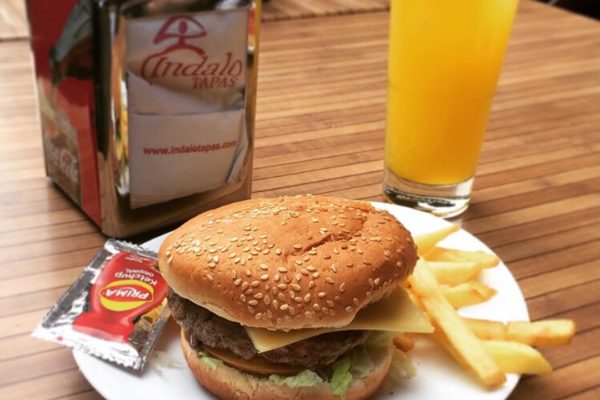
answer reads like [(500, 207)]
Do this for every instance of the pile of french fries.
[(446, 279)]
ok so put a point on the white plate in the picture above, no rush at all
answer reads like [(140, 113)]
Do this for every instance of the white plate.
[(438, 376)]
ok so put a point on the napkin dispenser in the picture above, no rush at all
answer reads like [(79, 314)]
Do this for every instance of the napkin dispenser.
[(146, 106)]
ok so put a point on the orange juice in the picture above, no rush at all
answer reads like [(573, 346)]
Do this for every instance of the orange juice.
[(444, 62)]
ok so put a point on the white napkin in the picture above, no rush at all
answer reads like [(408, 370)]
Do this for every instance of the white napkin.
[(202, 152), (186, 107)]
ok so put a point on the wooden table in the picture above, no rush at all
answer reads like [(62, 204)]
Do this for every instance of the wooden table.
[(319, 129)]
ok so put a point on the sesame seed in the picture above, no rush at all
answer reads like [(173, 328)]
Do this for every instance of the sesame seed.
[(311, 284), (337, 298), (307, 298), (304, 272), (258, 296), (258, 316), (233, 239), (298, 246), (325, 310), (366, 262), (329, 303), (254, 284), (247, 272), (267, 299), (276, 277), (245, 285), (281, 296), (343, 287), (298, 262), (298, 277), (355, 301), (253, 302), (308, 314), (282, 286), (329, 280), (333, 268), (243, 297), (398, 263), (371, 282), (315, 275), (211, 265), (237, 260), (209, 277), (232, 255), (326, 256), (387, 253), (311, 268), (322, 294), (316, 307), (265, 251), (243, 262), (377, 281), (284, 307), (264, 267), (349, 265), (251, 310), (237, 282), (275, 304), (298, 299), (282, 269), (264, 277), (348, 309), (278, 251), (295, 287)]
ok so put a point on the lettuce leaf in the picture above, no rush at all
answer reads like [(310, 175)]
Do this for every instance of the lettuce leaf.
[(362, 365), (211, 362), (305, 378), (379, 339), (341, 378)]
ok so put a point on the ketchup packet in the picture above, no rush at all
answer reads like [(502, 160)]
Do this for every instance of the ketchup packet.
[(115, 310)]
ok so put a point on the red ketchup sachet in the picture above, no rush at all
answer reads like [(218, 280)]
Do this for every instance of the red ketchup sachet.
[(115, 310)]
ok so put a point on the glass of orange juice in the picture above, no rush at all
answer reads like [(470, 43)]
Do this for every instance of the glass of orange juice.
[(444, 63)]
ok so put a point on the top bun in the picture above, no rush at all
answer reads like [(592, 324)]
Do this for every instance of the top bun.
[(288, 262)]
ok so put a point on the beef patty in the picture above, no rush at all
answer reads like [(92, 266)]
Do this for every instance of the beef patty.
[(203, 327)]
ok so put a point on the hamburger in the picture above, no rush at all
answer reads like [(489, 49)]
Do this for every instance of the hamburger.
[(290, 297)]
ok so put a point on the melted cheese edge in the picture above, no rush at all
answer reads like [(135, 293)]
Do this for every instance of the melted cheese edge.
[(395, 313)]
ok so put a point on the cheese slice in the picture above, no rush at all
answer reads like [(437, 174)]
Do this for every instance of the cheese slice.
[(395, 313)]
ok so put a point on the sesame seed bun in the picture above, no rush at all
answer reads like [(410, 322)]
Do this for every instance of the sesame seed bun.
[(288, 262), (232, 384)]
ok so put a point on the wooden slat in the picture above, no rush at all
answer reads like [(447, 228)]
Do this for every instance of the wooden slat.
[(13, 23)]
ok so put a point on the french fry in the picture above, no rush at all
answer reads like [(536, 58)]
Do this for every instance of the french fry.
[(454, 273), (539, 333), (404, 342), (467, 348), (467, 294), (427, 241), (517, 357), (481, 258)]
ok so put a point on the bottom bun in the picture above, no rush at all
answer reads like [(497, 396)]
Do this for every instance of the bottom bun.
[(232, 384)]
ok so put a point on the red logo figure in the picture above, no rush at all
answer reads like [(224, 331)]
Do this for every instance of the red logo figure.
[(181, 28)]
